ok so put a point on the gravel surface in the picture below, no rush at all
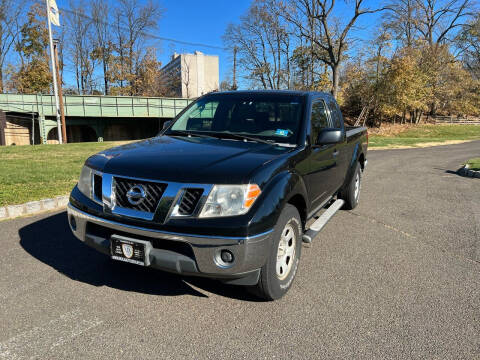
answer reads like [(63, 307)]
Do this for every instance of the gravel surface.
[(398, 277)]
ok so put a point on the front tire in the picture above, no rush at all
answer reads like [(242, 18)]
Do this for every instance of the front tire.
[(276, 276)]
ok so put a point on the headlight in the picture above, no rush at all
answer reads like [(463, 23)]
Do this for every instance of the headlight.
[(230, 200), (85, 182)]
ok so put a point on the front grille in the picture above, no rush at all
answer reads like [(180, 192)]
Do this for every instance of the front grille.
[(97, 186), (189, 201), (153, 192)]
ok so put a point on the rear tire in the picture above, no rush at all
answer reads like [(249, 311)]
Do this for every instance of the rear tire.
[(351, 193), (276, 276)]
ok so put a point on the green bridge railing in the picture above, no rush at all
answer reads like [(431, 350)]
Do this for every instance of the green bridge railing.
[(95, 106)]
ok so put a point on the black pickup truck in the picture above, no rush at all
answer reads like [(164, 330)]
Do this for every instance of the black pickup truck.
[(226, 189)]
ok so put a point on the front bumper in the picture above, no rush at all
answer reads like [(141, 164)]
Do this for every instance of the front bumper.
[(249, 252)]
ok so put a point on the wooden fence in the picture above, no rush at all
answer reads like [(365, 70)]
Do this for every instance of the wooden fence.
[(455, 120)]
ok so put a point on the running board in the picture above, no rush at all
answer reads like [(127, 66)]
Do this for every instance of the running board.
[(318, 225)]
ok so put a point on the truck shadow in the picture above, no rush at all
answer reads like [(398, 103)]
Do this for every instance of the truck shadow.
[(50, 241), (458, 172)]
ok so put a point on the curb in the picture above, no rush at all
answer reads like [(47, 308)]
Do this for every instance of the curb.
[(465, 171), (33, 207)]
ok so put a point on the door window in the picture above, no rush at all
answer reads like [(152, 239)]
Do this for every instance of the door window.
[(319, 119), (335, 114)]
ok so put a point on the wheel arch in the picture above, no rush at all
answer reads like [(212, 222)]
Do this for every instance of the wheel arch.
[(285, 188), (361, 160), (298, 200), (357, 156)]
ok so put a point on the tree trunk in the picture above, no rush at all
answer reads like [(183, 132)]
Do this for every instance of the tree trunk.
[(335, 79), (105, 79), (77, 76), (419, 116)]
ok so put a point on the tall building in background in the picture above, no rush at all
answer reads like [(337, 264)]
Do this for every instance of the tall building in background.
[(191, 75)]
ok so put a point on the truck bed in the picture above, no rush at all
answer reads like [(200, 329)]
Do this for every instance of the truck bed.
[(353, 130)]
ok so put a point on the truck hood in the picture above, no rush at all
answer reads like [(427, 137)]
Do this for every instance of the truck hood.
[(187, 160)]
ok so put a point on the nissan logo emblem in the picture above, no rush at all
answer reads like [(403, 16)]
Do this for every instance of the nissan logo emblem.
[(136, 194)]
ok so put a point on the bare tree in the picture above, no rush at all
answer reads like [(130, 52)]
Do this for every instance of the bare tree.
[(186, 80), (402, 20), (135, 20), (262, 46), (436, 22), (102, 38), (10, 11), (79, 33), (436, 19), (119, 46), (61, 50), (468, 42), (330, 35)]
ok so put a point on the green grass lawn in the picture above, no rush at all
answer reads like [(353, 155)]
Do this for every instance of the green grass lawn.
[(422, 134), (36, 172), (474, 164)]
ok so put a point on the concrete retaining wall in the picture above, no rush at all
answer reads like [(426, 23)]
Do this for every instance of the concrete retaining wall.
[(33, 207)]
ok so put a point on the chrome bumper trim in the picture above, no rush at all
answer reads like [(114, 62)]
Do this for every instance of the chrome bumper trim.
[(194, 239)]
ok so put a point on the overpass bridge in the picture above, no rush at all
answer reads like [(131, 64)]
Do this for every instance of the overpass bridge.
[(88, 118)]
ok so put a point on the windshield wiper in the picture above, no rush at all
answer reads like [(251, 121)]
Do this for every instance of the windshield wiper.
[(229, 135), (249, 138), (187, 133)]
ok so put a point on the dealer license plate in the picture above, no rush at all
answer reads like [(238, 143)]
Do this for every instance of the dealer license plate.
[(127, 250)]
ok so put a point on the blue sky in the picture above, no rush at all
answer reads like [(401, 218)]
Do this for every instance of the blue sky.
[(190, 21), (206, 21), (200, 22)]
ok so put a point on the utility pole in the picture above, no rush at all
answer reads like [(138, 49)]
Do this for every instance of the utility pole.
[(54, 73), (3, 125), (60, 92), (33, 128), (234, 84)]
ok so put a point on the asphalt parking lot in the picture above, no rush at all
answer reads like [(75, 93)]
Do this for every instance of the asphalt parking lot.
[(399, 277)]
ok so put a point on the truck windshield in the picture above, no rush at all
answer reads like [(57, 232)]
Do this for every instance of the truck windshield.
[(263, 117)]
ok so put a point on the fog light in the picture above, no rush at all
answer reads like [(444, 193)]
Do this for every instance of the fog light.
[(73, 223), (226, 256)]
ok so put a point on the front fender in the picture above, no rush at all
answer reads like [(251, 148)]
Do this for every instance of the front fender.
[(277, 193)]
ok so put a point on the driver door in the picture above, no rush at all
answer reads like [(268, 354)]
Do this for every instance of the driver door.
[(322, 159)]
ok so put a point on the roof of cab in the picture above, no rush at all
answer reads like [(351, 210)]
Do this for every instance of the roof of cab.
[(273, 92)]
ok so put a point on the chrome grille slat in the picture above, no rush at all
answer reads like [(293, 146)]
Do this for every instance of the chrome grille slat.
[(189, 201), (97, 187), (153, 191), (162, 199)]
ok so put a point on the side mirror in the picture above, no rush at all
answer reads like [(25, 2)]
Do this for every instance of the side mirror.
[(166, 124), (329, 136)]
